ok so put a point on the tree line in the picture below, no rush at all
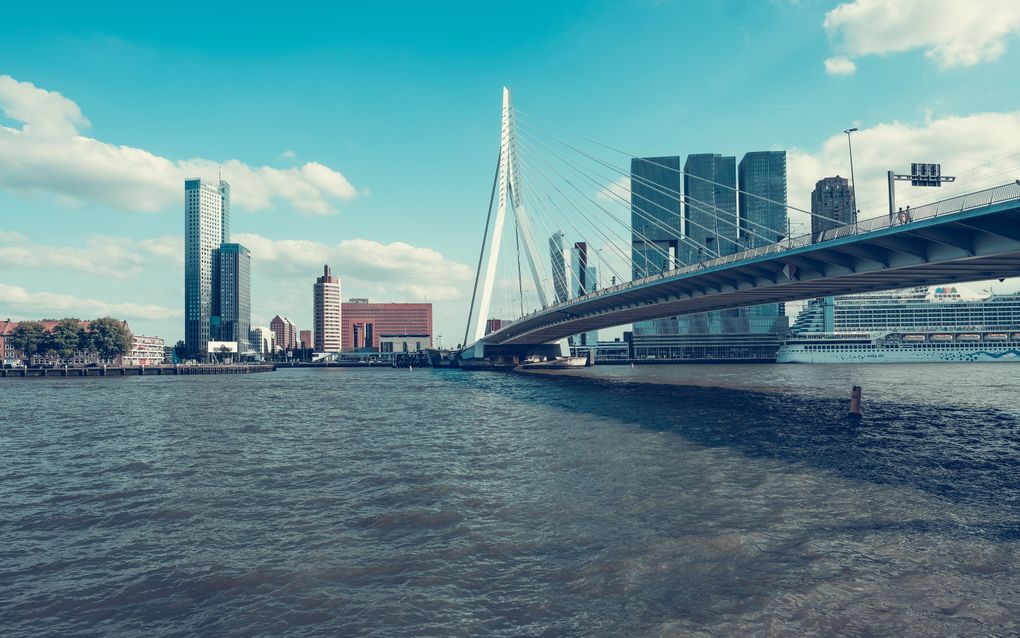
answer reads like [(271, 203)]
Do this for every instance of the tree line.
[(107, 337)]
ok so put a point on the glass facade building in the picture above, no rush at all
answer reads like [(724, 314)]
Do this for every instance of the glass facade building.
[(558, 264), (763, 219), (232, 308), (204, 221), (654, 214), (710, 206)]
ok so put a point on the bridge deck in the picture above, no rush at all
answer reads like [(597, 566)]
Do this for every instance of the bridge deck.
[(967, 238)]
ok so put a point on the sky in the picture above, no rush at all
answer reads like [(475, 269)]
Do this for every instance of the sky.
[(365, 134)]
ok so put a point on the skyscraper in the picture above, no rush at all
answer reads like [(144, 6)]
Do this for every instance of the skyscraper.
[(285, 332), (232, 306), (832, 205), (710, 206), (558, 262), (585, 281), (204, 220), (761, 179), (654, 214), (326, 312)]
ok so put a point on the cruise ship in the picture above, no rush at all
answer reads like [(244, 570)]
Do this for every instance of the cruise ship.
[(940, 323)]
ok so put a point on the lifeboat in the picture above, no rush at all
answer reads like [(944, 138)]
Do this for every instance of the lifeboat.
[(969, 336), (942, 338), (913, 338), (996, 336)]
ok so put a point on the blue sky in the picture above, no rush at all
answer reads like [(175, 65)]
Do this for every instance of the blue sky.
[(366, 134)]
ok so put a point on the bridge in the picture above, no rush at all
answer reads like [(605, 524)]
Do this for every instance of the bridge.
[(970, 237)]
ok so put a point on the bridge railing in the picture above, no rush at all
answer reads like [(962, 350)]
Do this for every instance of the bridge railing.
[(952, 205)]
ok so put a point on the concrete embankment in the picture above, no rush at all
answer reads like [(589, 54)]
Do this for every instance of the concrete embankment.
[(134, 371)]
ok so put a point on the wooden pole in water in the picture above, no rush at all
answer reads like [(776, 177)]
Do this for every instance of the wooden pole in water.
[(855, 400)]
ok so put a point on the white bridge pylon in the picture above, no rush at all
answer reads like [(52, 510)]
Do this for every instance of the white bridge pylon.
[(509, 196)]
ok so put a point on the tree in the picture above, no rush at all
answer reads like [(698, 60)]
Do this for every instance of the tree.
[(109, 337), (180, 352), (29, 338), (66, 338)]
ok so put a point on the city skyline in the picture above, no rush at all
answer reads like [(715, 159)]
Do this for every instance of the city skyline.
[(90, 168)]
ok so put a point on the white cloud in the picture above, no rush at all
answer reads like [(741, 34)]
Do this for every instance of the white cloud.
[(288, 155), (395, 271), (114, 257), (49, 154), (979, 149), (840, 66), (951, 32), (11, 237), (52, 305)]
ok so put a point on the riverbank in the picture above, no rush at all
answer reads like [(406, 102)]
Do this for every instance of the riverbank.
[(126, 371)]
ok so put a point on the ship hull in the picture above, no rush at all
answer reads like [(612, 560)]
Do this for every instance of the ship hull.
[(877, 354)]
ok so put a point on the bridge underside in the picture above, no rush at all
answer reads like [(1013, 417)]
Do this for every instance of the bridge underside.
[(967, 246)]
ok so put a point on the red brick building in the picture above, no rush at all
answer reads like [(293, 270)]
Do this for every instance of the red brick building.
[(364, 323)]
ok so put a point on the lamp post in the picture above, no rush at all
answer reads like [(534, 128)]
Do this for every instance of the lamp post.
[(853, 186)]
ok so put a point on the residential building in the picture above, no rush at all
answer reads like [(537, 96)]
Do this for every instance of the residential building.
[(285, 333), (263, 341), (585, 281), (710, 206), (6, 328), (145, 351), (560, 269), (206, 224), (305, 339), (232, 299), (80, 357), (327, 310), (364, 323), (655, 214), (832, 205)]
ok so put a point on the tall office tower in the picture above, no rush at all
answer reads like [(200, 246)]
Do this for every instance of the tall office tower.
[(710, 206), (326, 312), (585, 281), (232, 305), (203, 232), (560, 274), (761, 178), (654, 214), (285, 332), (832, 205), (225, 211)]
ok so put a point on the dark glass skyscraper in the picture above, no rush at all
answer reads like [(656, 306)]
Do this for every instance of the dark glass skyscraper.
[(233, 299), (558, 263), (710, 206), (654, 214), (761, 179)]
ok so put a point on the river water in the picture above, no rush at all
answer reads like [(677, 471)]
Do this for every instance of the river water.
[(648, 501)]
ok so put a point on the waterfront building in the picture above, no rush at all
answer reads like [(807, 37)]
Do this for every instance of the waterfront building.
[(937, 323), (305, 339), (263, 341), (585, 281), (761, 180), (327, 311), (492, 325), (710, 206), (6, 328), (285, 333), (232, 301), (559, 266), (655, 214), (206, 225), (832, 205), (145, 351), (364, 323), (404, 343), (738, 334)]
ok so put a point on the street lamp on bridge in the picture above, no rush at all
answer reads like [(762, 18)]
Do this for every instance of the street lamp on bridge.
[(853, 186)]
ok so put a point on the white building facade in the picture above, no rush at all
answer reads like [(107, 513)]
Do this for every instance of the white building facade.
[(326, 312)]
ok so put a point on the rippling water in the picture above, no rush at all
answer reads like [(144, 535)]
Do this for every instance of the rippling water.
[(611, 502)]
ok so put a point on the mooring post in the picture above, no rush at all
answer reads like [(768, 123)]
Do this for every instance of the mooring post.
[(855, 401)]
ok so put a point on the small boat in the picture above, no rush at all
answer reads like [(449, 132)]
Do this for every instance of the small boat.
[(996, 336), (969, 336), (559, 363), (942, 338), (913, 338)]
